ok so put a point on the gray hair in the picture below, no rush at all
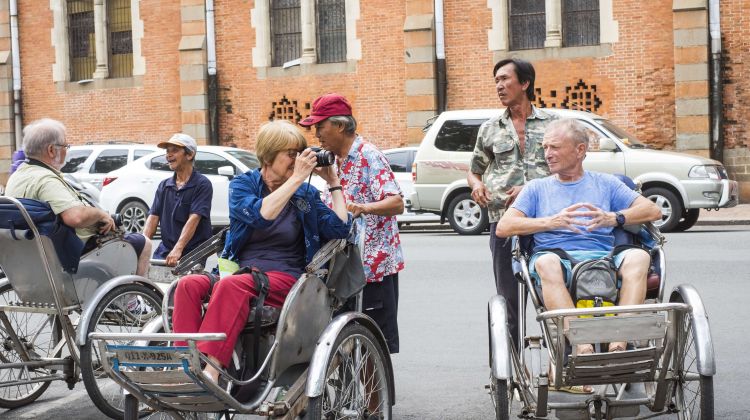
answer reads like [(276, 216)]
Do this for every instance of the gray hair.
[(346, 121), (571, 129), (40, 134)]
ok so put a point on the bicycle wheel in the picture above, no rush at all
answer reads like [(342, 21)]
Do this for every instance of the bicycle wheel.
[(357, 384), (39, 334), (693, 392), (501, 398), (126, 308)]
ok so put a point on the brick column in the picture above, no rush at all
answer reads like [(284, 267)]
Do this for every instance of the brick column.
[(419, 44), (193, 70), (691, 72), (7, 134)]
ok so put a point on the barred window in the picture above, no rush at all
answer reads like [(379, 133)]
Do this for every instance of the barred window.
[(331, 30), (286, 33), (120, 38), (82, 43), (580, 22), (526, 28)]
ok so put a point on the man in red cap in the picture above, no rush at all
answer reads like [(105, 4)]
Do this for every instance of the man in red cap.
[(370, 189)]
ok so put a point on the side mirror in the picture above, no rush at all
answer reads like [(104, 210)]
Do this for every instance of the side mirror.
[(607, 145), (227, 171)]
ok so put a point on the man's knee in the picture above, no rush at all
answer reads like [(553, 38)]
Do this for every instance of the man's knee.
[(549, 269), (635, 261)]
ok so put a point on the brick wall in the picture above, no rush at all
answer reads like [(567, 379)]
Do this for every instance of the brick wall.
[(635, 84), (376, 89), (735, 28), (148, 113)]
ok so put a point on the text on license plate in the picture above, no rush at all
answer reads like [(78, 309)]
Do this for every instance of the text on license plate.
[(147, 356)]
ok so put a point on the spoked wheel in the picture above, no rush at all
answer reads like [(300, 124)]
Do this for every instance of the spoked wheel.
[(357, 383), (127, 309), (38, 334), (502, 397), (693, 392)]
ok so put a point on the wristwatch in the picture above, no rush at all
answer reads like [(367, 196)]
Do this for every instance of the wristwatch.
[(620, 218)]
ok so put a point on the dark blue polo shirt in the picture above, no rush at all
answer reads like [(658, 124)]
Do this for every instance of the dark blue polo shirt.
[(174, 206)]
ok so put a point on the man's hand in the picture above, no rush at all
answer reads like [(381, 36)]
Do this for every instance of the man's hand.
[(480, 194), (512, 194), (106, 224), (357, 208), (174, 257), (598, 218), (569, 218)]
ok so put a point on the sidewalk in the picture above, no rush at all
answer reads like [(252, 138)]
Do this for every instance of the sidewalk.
[(738, 215)]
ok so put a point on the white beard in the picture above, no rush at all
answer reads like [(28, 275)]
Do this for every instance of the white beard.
[(58, 162)]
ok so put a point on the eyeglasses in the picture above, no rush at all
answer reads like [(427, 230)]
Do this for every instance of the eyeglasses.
[(64, 146), (292, 153)]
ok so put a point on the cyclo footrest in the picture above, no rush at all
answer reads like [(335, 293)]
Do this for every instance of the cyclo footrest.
[(165, 377)]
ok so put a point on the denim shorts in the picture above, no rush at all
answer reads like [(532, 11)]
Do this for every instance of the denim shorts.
[(577, 255)]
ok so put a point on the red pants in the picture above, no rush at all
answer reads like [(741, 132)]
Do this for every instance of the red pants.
[(227, 310)]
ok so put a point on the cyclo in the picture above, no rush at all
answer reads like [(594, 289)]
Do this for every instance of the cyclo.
[(52, 299), (305, 361), (668, 367)]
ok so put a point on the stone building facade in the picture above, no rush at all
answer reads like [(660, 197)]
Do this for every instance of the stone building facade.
[(645, 65)]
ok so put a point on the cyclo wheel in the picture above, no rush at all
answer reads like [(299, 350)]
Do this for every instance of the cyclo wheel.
[(693, 392), (39, 333), (357, 384), (126, 308), (501, 398)]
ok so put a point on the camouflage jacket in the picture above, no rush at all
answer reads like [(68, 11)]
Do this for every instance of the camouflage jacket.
[(497, 156)]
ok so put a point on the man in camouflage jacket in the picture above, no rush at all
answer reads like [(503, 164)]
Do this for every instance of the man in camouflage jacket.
[(508, 153)]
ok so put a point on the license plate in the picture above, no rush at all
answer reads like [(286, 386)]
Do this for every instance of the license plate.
[(146, 356)]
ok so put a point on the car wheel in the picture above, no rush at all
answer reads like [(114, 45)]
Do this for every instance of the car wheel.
[(133, 215), (466, 217), (690, 217), (670, 206)]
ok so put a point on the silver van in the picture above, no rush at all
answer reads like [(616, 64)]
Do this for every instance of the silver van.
[(681, 184)]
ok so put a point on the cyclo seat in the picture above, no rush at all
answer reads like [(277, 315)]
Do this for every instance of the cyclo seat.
[(32, 261)]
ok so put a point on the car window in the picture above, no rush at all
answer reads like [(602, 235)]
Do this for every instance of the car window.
[(458, 135), (109, 160), (399, 161), (139, 153), (248, 159), (629, 139), (209, 163), (158, 163), (74, 159)]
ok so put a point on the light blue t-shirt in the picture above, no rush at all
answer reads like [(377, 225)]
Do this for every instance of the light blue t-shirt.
[(547, 196)]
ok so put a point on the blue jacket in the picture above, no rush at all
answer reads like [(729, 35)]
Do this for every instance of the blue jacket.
[(319, 222)]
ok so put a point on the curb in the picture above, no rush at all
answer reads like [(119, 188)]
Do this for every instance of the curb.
[(722, 222)]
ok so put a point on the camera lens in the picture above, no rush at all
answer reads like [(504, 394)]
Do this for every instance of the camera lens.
[(117, 218), (324, 157)]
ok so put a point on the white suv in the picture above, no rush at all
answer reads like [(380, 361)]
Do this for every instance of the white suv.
[(91, 162), (679, 183)]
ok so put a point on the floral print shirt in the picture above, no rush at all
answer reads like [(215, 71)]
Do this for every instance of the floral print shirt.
[(366, 177)]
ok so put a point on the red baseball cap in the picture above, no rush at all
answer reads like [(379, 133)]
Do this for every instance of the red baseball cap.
[(328, 105)]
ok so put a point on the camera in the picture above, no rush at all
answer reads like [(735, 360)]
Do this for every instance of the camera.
[(324, 157), (117, 219)]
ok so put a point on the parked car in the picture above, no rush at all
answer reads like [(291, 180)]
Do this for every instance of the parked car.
[(400, 161), (681, 184), (91, 162), (130, 190)]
